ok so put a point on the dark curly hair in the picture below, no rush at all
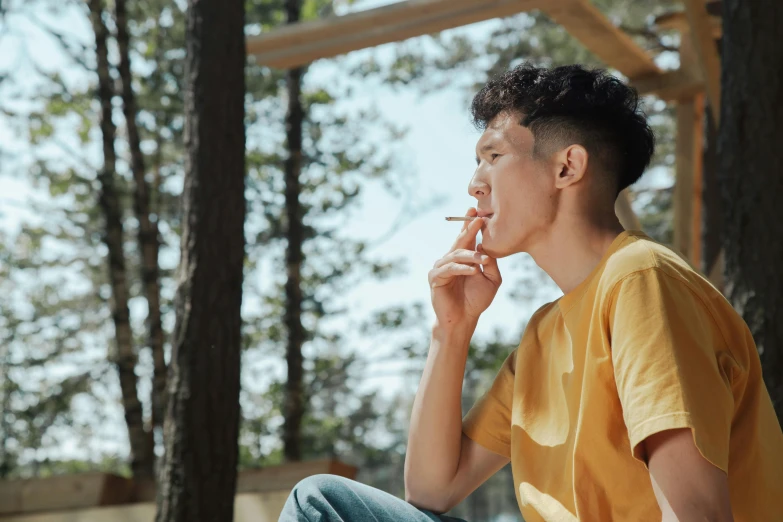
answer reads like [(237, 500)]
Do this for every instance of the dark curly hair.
[(570, 104)]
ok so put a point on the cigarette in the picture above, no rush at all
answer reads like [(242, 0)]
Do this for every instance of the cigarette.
[(460, 218)]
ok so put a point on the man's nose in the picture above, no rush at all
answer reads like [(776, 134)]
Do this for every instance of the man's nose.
[(478, 187)]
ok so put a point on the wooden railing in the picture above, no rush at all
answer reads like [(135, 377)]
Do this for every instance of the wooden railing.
[(94, 497)]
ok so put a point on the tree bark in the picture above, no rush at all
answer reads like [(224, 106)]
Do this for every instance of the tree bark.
[(750, 163), (198, 476), (294, 257), (148, 228), (142, 456), (5, 405)]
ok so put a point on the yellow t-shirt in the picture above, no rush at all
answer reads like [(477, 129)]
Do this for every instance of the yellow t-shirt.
[(644, 344)]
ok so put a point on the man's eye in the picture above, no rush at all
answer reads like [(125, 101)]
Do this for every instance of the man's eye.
[(495, 156)]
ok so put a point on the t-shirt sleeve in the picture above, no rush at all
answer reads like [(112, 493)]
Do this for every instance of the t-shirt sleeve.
[(488, 422), (670, 363)]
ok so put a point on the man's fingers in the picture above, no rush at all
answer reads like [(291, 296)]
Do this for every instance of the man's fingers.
[(467, 257), (471, 212), (443, 275), (467, 238), (491, 269)]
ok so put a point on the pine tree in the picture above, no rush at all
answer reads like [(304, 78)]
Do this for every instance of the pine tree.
[(198, 474), (294, 236), (142, 456), (148, 243)]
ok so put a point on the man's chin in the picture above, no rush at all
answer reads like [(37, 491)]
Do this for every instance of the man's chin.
[(494, 250)]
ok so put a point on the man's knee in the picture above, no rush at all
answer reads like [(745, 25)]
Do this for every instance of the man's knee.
[(318, 497), (322, 486)]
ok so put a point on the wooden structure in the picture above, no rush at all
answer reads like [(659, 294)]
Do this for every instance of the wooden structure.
[(304, 42), (98, 497)]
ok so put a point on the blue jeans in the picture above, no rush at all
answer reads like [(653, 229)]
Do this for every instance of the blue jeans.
[(330, 498)]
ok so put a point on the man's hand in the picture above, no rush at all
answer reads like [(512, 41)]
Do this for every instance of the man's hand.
[(687, 486), (460, 289)]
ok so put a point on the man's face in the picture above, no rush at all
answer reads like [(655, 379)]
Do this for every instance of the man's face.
[(515, 191)]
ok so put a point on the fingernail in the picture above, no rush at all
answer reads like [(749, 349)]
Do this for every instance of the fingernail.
[(484, 259)]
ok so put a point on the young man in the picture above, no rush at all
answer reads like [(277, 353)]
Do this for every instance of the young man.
[(636, 396)]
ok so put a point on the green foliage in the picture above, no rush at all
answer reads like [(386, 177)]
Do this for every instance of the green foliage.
[(43, 366), (60, 386)]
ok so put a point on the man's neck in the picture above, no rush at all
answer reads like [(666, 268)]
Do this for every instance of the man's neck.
[(571, 250)]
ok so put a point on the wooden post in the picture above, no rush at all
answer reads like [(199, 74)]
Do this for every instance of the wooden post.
[(688, 183), (702, 39), (697, 174), (698, 39), (688, 162)]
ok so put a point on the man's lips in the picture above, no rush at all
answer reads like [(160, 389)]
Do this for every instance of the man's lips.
[(484, 214)]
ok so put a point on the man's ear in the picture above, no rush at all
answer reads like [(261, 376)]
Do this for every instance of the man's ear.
[(571, 165)]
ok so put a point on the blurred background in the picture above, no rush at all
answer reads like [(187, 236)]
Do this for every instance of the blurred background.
[(388, 151)]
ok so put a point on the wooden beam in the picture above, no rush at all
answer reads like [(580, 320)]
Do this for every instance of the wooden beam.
[(703, 43), (598, 34), (688, 182), (674, 85), (678, 21), (302, 43), (324, 29), (622, 207)]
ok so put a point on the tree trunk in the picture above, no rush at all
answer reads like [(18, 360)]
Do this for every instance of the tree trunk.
[(148, 229), (294, 257), (749, 140), (198, 476), (5, 406), (142, 456)]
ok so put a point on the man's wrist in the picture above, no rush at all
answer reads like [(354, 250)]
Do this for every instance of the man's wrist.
[(454, 335)]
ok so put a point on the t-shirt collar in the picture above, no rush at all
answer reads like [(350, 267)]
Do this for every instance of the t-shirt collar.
[(570, 299)]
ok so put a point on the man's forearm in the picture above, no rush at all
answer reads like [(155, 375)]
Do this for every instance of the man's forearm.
[(435, 435)]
